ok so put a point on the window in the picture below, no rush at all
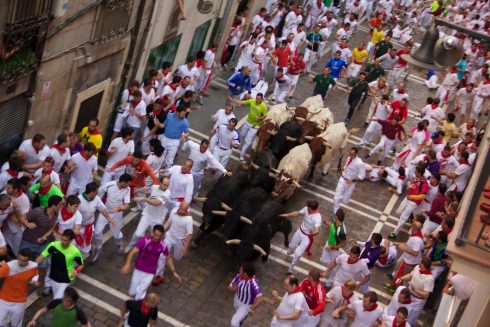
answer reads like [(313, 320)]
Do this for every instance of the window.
[(113, 19), (199, 37), (24, 10), (164, 52)]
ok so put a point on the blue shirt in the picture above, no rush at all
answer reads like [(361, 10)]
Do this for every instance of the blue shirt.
[(174, 127), (237, 83), (462, 64), (335, 66), (315, 39)]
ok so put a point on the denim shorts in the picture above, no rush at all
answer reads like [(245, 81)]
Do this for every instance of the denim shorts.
[(36, 249)]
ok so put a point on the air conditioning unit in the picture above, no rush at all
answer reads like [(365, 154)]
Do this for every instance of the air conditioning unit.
[(59, 7)]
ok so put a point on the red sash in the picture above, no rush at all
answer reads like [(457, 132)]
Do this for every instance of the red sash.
[(86, 239), (310, 242)]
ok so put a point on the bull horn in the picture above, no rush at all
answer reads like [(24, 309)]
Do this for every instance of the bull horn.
[(296, 184), (271, 132), (254, 165), (354, 130), (308, 137), (292, 139), (225, 206), (275, 170), (200, 199), (272, 175), (218, 212), (233, 241), (292, 108), (259, 249), (301, 119), (246, 220)]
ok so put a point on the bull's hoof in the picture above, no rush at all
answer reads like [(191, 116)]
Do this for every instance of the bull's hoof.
[(193, 245), (324, 174)]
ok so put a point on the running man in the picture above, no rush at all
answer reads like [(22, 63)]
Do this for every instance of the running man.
[(135, 313)]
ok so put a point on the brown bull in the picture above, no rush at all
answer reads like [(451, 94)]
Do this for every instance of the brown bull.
[(301, 114), (264, 134), (309, 130)]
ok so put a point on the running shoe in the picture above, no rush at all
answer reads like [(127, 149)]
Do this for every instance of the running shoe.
[(389, 287), (392, 236), (158, 280), (96, 255), (120, 249), (46, 291)]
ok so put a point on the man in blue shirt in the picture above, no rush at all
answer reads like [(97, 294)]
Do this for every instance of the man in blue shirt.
[(176, 130), (337, 66), (240, 81), (314, 39)]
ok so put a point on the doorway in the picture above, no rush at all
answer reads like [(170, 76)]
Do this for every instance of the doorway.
[(89, 108)]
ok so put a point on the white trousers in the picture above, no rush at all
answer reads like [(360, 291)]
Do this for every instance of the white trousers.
[(120, 122), (311, 57), (140, 281), (384, 143), (327, 257), (444, 94), (429, 226), (280, 95), (198, 177), (476, 107), (395, 75), (294, 82), (256, 72), (13, 311), (248, 132), (171, 147), (58, 288), (353, 70), (305, 320), (298, 244), (115, 229), (343, 193), (14, 239), (74, 188), (372, 131), (107, 177), (175, 248), (405, 209), (222, 155), (241, 312)]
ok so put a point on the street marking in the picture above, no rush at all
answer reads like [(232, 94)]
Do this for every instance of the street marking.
[(98, 302), (124, 297), (286, 264), (385, 214)]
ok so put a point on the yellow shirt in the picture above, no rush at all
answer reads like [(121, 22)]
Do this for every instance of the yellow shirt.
[(96, 139), (450, 130), (359, 56), (377, 36)]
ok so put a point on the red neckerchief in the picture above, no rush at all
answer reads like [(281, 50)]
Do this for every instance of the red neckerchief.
[(84, 155), (347, 299), (247, 278), (47, 172), (438, 141), (464, 162), (263, 46), (401, 92), (433, 105), (12, 173), (186, 173), (37, 150), (65, 214), (297, 290), (172, 86), (404, 177), (310, 212), (425, 271), (157, 113), (319, 4), (145, 309), (96, 131), (418, 234), (59, 148), (44, 189), (351, 262), (135, 103), (130, 91), (384, 258), (348, 162), (372, 308), (407, 302), (486, 82), (403, 324), (199, 63), (447, 231), (356, 4)]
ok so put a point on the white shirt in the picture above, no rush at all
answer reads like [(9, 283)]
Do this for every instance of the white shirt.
[(2, 240), (115, 196), (392, 254), (222, 118), (62, 225), (431, 114), (155, 163), (299, 37), (354, 170), (289, 304), (483, 90), (169, 90), (180, 226), (291, 21), (423, 282), (81, 175), (147, 97), (286, 83), (345, 54), (449, 164), (388, 62), (134, 121), (224, 137), (88, 209), (464, 173), (376, 90), (5, 177), (394, 304), (464, 96), (23, 206), (398, 96), (417, 139), (59, 159), (257, 20), (55, 177), (310, 221), (184, 71), (5, 213), (314, 10), (181, 185), (157, 212), (463, 286), (209, 58), (451, 80), (201, 160), (363, 317), (388, 321), (335, 294), (382, 111), (33, 156), (414, 243), (348, 271), (122, 150)]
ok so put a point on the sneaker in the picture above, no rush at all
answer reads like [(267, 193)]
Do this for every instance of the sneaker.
[(291, 269), (390, 276), (290, 252), (389, 287), (120, 249), (127, 249), (347, 120), (392, 236), (96, 255), (158, 280), (46, 291), (135, 209), (367, 155), (366, 124), (200, 100)]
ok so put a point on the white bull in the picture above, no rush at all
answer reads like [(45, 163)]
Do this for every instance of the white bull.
[(314, 103), (291, 170), (322, 116), (279, 114)]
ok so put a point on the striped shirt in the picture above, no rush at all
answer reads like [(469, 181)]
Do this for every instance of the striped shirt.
[(225, 136), (248, 289)]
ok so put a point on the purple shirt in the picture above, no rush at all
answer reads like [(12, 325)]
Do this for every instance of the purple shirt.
[(371, 254), (248, 289), (147, 260)]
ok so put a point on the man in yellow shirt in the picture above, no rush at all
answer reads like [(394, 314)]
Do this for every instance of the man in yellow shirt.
[(256, 115), (91, 133), (377, 35), (359, 57)]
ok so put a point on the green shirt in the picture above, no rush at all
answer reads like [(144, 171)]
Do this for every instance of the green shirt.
[(323, 82), (66, 318), (382, 48), (358, 88), (43, 198), (62, 261), (373, 72), (256, 110)]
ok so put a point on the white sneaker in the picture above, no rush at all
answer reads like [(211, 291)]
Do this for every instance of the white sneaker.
[(135, 209), (96, 255), (120, 249)]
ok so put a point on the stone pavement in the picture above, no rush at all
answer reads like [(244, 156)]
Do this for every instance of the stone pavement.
[(202, 299)]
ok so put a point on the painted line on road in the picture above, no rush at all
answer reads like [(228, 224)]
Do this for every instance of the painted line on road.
[(386, 213), (104, 287), (286, 264)]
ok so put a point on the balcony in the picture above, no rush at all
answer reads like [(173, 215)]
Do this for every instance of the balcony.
[(112, 20), (23, 30)]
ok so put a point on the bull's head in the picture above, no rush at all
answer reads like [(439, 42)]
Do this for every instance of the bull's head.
[(232, 224), (309, 130), (284, 181), (265, 132), (246, 248), (300, 114)]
